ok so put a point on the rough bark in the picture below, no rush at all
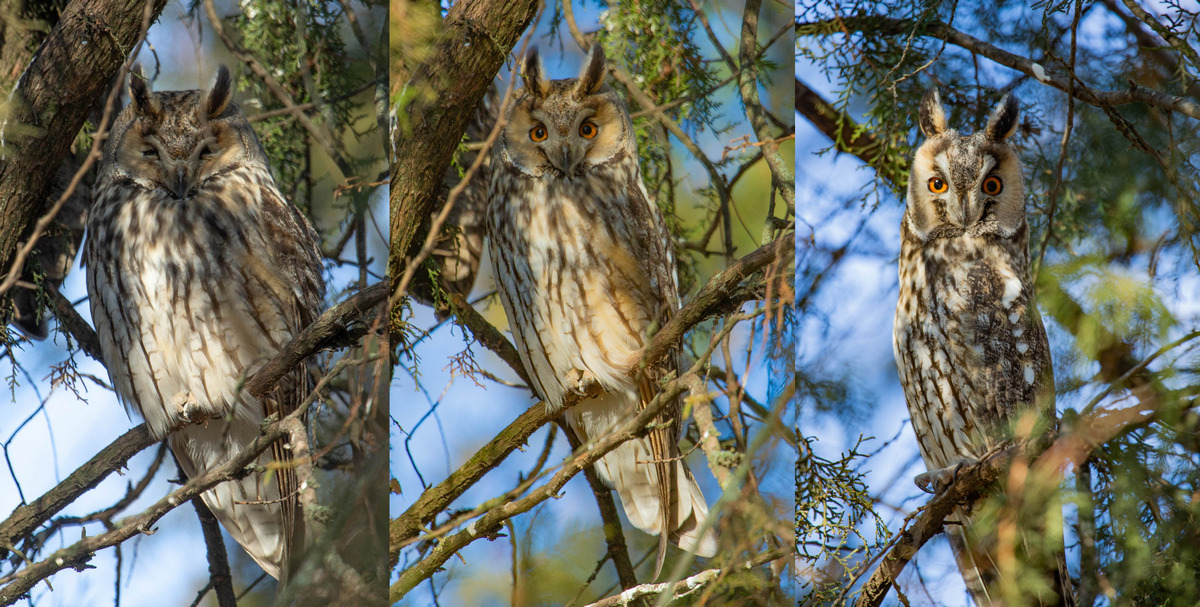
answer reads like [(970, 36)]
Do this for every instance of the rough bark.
[(436, 104)]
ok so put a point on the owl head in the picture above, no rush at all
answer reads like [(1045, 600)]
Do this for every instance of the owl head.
[(562, 128), (172, 141), (966, 184)]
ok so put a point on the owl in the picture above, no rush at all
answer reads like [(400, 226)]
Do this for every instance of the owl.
[(585, 269), (199, 271), (970, 347)]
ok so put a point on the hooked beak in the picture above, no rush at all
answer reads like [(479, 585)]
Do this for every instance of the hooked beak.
[(180, 181), (565, 160)]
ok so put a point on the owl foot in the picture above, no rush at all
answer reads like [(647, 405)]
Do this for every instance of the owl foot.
[(189, 409), (580, 382), (937, 481)]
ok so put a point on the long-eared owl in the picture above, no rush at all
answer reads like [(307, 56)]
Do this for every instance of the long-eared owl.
[(199, 271), (586, 271), (970, 347)]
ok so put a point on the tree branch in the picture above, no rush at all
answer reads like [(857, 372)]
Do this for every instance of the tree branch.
[(847, 136), (437, 102), (349, 318), (689, 584), (219, 578), (936, 29), (77, 555)]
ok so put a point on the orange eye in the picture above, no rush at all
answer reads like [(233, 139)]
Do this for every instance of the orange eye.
[(538, 133), (588, 129), (937, 186), (992, 185)]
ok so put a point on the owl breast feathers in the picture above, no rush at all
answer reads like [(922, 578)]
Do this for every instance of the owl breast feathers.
[(199, 271), (585, 270), (970, 348)]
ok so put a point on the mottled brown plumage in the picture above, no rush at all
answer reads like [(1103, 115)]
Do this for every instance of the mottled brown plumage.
[(970, 347), (199, 271), (586, 272)]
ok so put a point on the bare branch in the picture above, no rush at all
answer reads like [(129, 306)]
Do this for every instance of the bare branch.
[(689, 584), (936, 29)]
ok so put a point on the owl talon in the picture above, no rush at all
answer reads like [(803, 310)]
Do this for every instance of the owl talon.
[(938, 481), (580, 382)]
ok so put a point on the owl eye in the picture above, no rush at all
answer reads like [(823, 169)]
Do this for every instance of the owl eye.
[(588, 129), (150, 153), (992, 185), (538, 133), (207, 152), (937, 186)]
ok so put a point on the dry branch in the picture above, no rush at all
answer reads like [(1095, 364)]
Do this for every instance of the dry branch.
[(689, 584)]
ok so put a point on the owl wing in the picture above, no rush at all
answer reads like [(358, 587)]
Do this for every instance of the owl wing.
[(653, 245), (1013, 350), (293, 240)]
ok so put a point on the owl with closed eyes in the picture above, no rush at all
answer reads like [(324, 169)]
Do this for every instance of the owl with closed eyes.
[(970, 348), (199, 271), (585, 268)]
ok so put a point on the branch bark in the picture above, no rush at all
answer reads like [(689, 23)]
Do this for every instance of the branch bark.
[(846, 135)]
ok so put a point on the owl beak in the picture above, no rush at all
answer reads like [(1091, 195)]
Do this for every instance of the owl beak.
[(181, 182), (565, 161)]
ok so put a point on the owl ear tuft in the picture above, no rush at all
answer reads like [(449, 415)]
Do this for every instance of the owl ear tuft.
[(591, 77), (219, 93), (534, 75), (933, 114), (139, 92), (1002, 121)]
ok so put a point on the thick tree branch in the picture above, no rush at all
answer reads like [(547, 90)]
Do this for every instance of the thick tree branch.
[(53, 97), (436, 104), (847, 136), (341, 326)]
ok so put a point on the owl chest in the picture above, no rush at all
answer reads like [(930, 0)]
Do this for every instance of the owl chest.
[(181, 312), (966, 346), (578, 291)]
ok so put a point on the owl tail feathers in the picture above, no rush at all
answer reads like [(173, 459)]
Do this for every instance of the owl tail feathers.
[(256, 526), (979, 572), (628, 470)]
